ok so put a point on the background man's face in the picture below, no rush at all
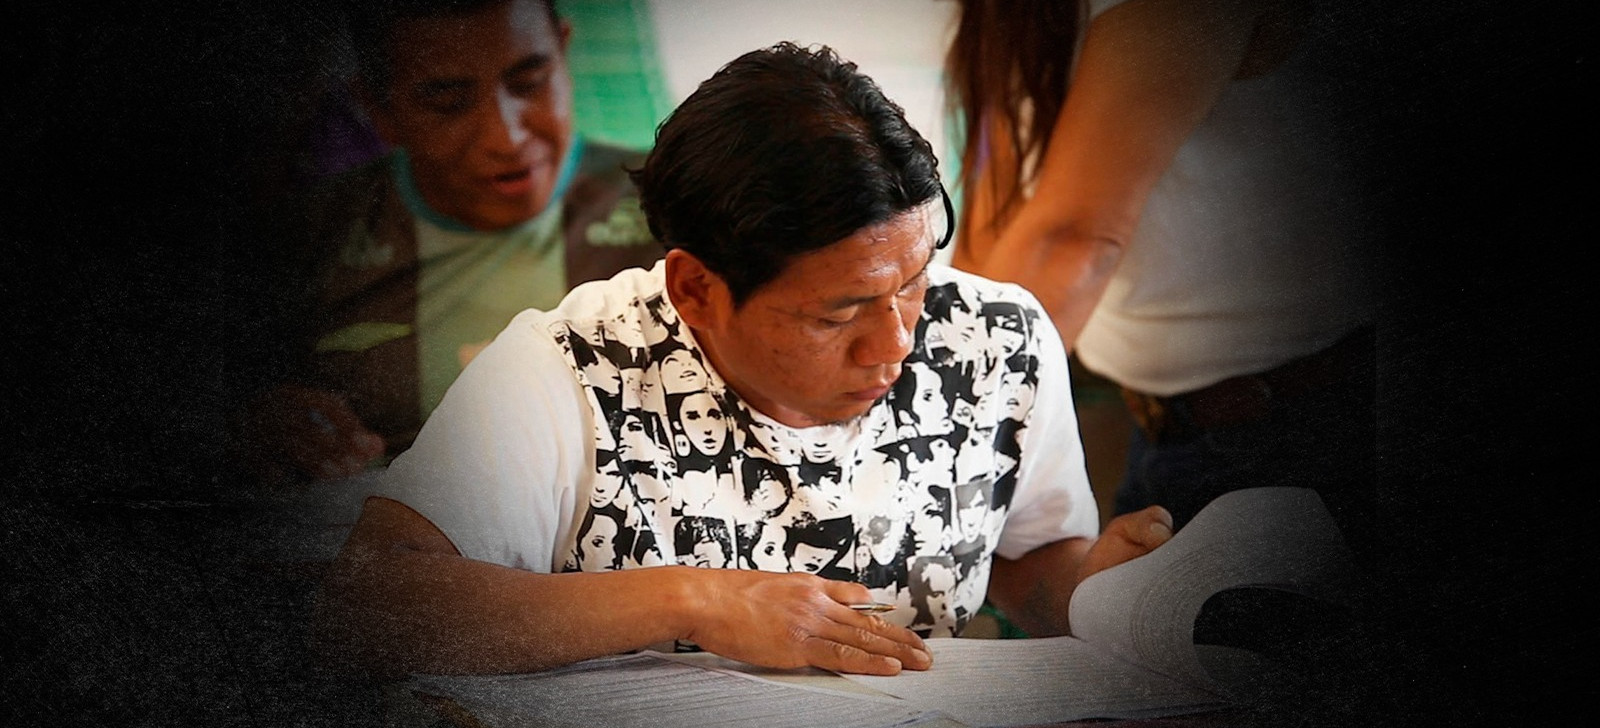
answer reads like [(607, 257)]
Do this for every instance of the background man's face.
[(824, 340), (482, 103)]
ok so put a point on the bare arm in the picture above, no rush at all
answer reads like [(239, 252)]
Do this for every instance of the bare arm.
[(400, 598), (1034, 591), (1149, 73)]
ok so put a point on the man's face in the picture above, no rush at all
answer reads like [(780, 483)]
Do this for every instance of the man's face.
[(824, 340), (482, 103)]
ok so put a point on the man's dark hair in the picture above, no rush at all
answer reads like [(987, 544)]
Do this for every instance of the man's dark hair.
[(371, 22), (783, 151)]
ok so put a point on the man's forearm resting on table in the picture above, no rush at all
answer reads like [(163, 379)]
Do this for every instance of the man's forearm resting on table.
[(401, 599)]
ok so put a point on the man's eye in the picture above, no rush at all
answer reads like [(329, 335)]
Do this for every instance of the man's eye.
[(915, 286), (842, 317), (529, 83)]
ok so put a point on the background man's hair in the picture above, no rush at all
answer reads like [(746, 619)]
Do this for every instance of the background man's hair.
[(370, 23), (783, 151)]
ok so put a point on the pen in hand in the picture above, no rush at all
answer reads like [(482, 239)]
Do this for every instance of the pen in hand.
[(872, 607)]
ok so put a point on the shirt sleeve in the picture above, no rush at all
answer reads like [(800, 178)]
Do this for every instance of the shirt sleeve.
[(1053, 500), (498, 463)]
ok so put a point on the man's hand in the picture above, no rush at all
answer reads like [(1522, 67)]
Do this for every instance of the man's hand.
[(794, 620), (311, 430), (1127, 536)]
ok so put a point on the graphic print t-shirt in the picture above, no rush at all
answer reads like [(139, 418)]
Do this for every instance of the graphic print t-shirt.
[(911, 499)]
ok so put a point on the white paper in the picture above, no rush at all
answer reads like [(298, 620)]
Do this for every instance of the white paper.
[(1145, 609), (646, 691), (986, 682)]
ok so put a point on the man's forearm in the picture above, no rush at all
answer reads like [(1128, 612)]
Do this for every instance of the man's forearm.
[(413, 611), (400, 598)]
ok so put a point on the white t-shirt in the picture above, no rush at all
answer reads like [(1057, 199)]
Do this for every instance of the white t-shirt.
[(595, 437), (1256, 245)]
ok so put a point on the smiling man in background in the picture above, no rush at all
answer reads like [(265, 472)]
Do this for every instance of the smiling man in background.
[(490, 202)]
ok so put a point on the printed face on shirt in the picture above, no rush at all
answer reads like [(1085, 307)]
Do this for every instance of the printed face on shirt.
[(604, 375), (971, 513), (1018, 397), (703, 423), (820, 449), (766, 553), (633, 436), (928, 406), (964, 322), (810, 559), (708, 554), (482, 103), (775, 445), (769, 494), (824, 341), (883, 538), (597, 545), (1007, 329), (607, 481), (930, 518), (681, 373), (938, 580)]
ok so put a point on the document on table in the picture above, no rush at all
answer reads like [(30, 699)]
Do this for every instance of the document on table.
[(986, 683), (648, 690)]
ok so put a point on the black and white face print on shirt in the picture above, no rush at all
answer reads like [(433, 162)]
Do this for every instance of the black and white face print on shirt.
[(909, 501)]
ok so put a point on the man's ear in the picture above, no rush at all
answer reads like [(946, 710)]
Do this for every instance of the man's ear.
[(700, 296), (564, 35)]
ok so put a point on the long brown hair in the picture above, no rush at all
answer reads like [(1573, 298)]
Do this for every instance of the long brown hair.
[(1007, 56)]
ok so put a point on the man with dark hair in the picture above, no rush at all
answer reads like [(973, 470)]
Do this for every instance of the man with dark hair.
[(801, 214), (491, 202)]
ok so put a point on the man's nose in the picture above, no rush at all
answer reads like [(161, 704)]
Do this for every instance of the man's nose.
[(888, 341), (506, 125)]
